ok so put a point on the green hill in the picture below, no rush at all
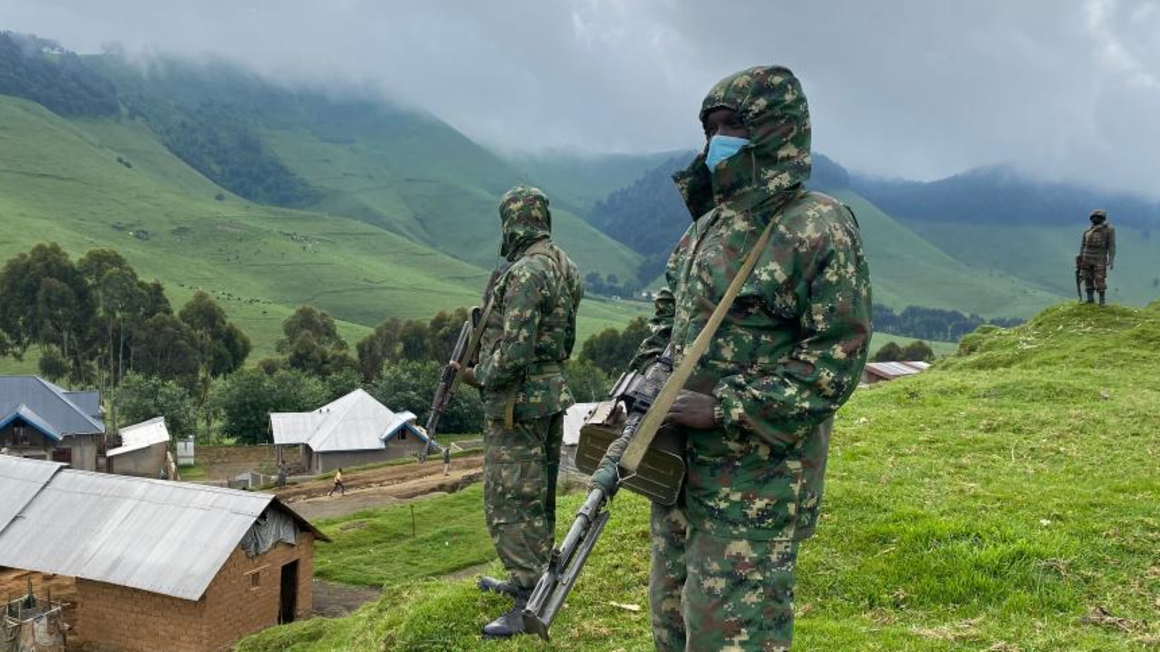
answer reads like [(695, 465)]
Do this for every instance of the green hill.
[(61, 180), (1004, 500)]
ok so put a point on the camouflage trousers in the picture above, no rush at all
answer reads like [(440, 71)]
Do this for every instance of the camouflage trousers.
[(520, 467), (712, 593), (1095, 275)]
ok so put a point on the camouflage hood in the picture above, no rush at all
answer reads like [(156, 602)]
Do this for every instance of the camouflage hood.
[(775, 162), (525, 218)]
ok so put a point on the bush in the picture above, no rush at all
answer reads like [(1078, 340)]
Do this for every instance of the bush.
[(246, 398), (140, 398)]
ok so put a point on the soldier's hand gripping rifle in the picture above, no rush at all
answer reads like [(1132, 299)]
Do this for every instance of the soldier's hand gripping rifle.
[(464, 355), (637, 394)]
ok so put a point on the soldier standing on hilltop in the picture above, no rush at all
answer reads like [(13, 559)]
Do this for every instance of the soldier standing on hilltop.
[(757, 411), (528, 337), (1097, 255)]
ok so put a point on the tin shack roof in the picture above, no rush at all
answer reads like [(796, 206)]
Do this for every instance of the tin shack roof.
[(20, 481), (163, 537), (141, 435)]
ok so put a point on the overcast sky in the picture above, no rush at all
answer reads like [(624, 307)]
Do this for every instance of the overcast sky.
[(1066, 89)]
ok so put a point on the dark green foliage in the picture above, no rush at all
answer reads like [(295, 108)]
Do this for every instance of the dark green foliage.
[(410, 385), (140, 398), (218, 142), (918, 351), (649, 216), (166, 347), (47, 303), (246, 398), (413, 339), (890, 352), (312, 343), (40, 70), (611, 350), (588, 382), (932, 323)]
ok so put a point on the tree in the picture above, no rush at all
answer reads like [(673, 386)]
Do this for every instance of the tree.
[(917, 351), (311, 343), (141, 398), (890, 352), (166, 347), (611, 350), (378, 348), (246, 398), (410, 385), (220, 345), (47, 303), (587, 381)]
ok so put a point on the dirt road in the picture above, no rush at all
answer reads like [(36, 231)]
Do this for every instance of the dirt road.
[(380, 487)]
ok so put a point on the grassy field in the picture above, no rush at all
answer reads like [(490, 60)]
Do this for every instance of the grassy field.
[(60, 181), (1004, 501), (376, 547), (910, 271)]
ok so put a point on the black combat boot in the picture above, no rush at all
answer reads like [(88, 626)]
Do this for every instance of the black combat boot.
[(492, 585), (1102, 302), (512, 622), (1091, 296)]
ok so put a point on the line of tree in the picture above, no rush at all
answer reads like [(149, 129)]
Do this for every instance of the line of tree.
[(42, 71), (916, 351), (932, 323)]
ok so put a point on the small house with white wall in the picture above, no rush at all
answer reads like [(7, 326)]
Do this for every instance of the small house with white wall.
[(354, 430), (144, 450)]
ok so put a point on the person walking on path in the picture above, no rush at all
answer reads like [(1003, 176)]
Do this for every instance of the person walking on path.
[(337, 484)]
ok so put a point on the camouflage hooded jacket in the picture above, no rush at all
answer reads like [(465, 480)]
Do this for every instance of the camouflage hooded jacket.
[(532, 328), (792, 347)]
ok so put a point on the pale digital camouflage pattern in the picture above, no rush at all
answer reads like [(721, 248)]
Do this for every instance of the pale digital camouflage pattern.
[(519, 493), (530, 333), (788, 354), (532, 329)]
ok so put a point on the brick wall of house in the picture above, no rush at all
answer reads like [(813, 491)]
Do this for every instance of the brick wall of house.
[(120, 618), (112, 617), (237, 608)]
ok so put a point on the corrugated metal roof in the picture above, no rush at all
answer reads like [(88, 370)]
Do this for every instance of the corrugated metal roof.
[(294, 427), (892, 370), (20, 481), (25, 413), (50, 402), (141, 435), (356, 421)]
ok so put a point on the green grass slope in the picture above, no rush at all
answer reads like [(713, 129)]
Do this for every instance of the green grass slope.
[(1003, 501), (908, 270), (60, 181), (1044, 255)]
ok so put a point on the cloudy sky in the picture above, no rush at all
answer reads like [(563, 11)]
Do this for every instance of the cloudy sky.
[(1065, 89)]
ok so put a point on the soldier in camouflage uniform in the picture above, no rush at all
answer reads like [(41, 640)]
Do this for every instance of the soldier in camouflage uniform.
[(529, 335), (757, 412), (1097, 254)]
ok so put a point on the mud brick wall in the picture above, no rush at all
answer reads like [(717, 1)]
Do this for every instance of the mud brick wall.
[(234, 606)]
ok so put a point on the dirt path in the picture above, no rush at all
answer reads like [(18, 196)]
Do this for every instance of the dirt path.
[(381, 487)]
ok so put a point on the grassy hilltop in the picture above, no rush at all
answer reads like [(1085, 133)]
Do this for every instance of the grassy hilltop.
[(1004, 501)]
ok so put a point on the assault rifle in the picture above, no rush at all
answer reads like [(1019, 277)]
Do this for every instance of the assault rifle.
[(636, 393), (462, 356)]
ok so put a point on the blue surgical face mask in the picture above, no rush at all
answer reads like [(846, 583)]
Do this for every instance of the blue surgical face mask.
[(721, 148)]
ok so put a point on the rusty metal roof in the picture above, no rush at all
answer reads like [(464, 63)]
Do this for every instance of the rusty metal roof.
[(158, 536)]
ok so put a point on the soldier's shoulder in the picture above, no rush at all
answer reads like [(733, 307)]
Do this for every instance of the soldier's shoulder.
[(812, 210)]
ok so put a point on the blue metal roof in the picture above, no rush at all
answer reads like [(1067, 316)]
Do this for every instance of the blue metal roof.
[(25, 414), (53, 405)]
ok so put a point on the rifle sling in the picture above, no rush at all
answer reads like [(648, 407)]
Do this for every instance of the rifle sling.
[(655, 417)]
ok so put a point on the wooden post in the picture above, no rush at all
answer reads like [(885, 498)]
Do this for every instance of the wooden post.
[(412, 521)]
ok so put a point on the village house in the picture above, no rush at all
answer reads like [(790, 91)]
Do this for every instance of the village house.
[(877, 372), (39, 420), (354, 430), (143, 451), (158, 565)]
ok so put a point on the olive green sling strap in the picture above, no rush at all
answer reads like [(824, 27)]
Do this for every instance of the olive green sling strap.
[(664, 401)]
